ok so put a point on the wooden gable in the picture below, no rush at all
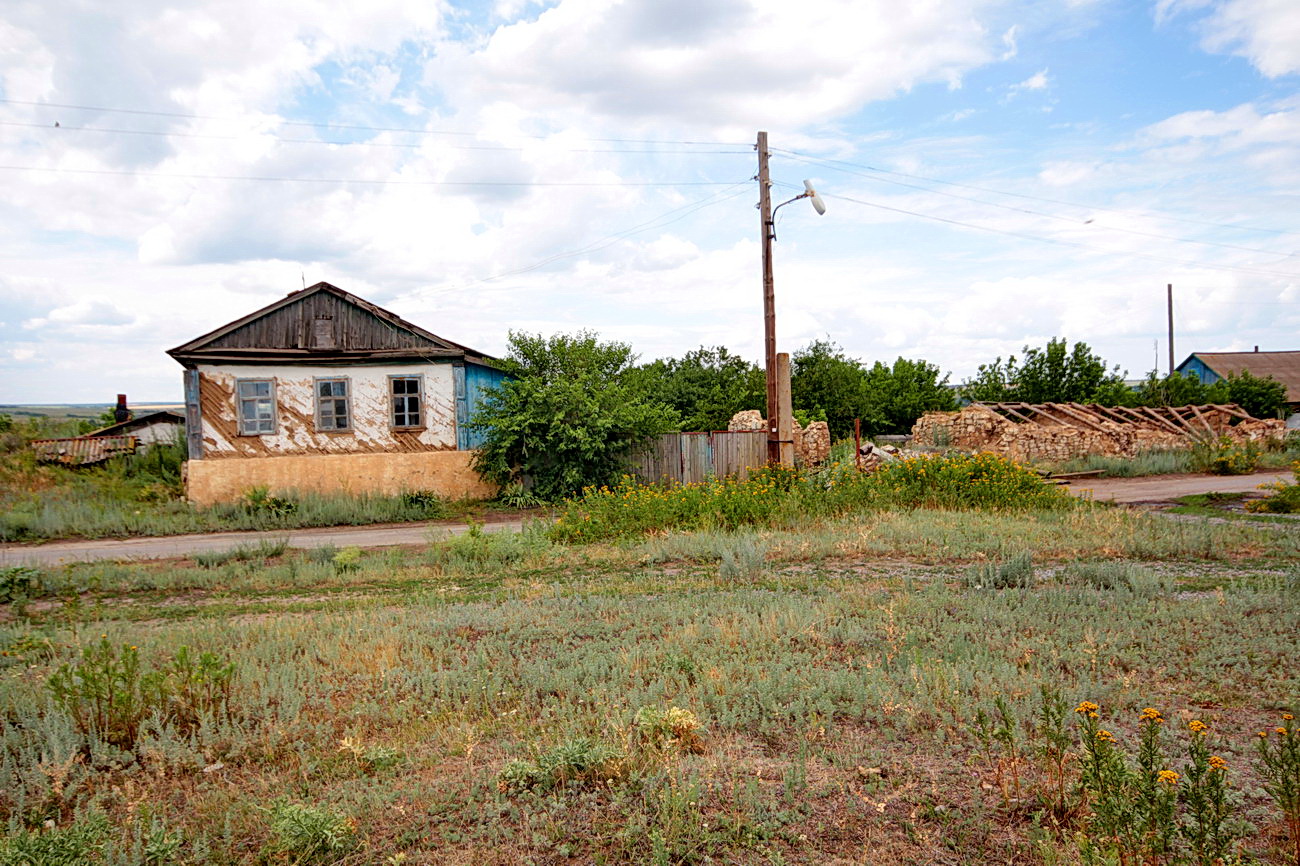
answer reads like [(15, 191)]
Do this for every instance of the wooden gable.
[(319, 323)]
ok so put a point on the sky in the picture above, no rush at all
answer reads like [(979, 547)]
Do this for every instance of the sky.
[(996, 174)]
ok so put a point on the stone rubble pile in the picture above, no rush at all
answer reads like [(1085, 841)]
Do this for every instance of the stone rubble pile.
[(812, 445), (979, 428)]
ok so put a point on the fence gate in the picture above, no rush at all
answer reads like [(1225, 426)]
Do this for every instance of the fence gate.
[(688, 458)]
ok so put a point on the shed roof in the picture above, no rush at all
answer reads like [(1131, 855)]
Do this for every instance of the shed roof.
[(321, 323), (162, 416), (1282, 366)]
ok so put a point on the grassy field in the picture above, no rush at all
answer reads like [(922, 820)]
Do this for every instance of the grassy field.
[(897, 688)]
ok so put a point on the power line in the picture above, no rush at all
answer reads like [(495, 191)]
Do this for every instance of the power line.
[(1071, 220), (610, 239), (349, 126), (1048, 240), (386, 144), (361, 181), (838, 165)]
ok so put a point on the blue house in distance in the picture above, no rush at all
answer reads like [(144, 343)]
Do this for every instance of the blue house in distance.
[(1210, 367)]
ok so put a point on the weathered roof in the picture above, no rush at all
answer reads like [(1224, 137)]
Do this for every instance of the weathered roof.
[(162, 416), (1282, 366), (316, 324)]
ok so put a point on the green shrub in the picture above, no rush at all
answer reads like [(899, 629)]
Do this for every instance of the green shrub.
[(76, 845), (302, 834), (476, 550), (19, 583), (107, 693), (574, 763), (516, 495), (1225, 456), (1279, 767), (427, 501), (264, 549), (1110, 575), (1285, 498), (1017, 572), (668, 729), (346, 560), (985, 481), (258, 500)]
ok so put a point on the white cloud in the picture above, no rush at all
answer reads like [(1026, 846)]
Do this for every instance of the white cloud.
[(1038, 81), (1266, 32), (720, 63)]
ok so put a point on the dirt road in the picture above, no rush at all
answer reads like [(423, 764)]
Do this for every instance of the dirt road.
[(1155, 488), (1163, 488), (175, 546)]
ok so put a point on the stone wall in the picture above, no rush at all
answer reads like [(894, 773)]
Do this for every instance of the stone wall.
[(978, 428), (812, 445)]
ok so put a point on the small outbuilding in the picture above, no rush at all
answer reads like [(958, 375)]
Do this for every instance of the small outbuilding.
[(155, 428), (324, 391)]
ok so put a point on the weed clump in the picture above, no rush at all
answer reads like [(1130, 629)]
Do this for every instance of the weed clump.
[(1016, 572), (1226, 456), (1111, 576), (669, 729), (1279, 765), (302, 834), (108, 693), (574, 763), (1285, 498)]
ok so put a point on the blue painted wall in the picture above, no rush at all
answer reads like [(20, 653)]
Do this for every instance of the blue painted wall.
[(1196, 366), (472, 381)]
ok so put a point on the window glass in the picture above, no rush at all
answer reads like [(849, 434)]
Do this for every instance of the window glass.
[(256, 400), (332, 411), (406, 401)]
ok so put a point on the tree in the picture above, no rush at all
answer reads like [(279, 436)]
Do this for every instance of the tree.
[(706, 386), (1178, 389), (1051, 374), (568, 415), (896, 396), (1261, 396), (823, 378)]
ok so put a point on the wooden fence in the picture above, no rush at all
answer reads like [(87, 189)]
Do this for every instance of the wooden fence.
[(691, 457)]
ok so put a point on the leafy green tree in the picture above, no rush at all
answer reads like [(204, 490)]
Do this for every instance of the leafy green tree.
[(1178, 390), (823, 378), (706, 386), (896, 396), (1261, 396), (1055, 373), (568, 415)]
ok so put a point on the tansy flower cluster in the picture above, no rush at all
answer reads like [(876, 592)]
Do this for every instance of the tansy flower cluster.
[(1169, 777)]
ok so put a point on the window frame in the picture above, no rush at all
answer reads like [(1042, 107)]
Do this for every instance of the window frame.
[(240, 399), (392, 401), (319, 401)]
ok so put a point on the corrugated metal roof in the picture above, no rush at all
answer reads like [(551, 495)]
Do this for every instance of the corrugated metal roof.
[(82, 450), (1282, 366)]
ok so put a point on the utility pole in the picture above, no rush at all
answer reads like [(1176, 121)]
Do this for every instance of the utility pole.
[(769, 303), (1170, 303)]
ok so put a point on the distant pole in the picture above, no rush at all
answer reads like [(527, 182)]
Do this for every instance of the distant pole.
[(1170, 298), (769, 302)]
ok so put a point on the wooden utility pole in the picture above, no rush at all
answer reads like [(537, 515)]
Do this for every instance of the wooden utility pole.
[(1170, 303), (769, 303)]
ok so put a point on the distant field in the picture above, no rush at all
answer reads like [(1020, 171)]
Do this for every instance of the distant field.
[(76, 411)]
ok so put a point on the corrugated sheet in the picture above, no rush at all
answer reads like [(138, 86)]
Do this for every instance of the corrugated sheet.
[(1282, 366), (82, 450)]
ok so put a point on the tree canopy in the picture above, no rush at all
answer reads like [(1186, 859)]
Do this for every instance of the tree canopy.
[(568, 415), (706, 386), (1052, 374)]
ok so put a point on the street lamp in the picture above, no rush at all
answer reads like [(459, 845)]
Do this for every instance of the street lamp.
[(776, 423)]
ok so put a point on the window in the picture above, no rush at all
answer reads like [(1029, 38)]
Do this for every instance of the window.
[(332, 405), (256, 398), (405, 392)]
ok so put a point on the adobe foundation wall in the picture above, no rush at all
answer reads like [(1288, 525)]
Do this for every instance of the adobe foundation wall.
[(448, 473)]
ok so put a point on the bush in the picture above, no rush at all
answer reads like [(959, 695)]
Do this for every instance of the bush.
[(19, 583), (985, 481), (1285, 498), (1225, 456), (108, 694), (81, 843), (668, 729), (574, 763), (310, 834), (1016, 572)]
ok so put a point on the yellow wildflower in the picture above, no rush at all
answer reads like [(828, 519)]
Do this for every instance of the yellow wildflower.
[(1151, 714), (1105, 736), (1196, 726), (1086, 707), (1169, 777), (1217, 763), (1287, 716)]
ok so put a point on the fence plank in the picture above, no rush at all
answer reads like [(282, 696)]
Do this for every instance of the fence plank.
[(688, 458)]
